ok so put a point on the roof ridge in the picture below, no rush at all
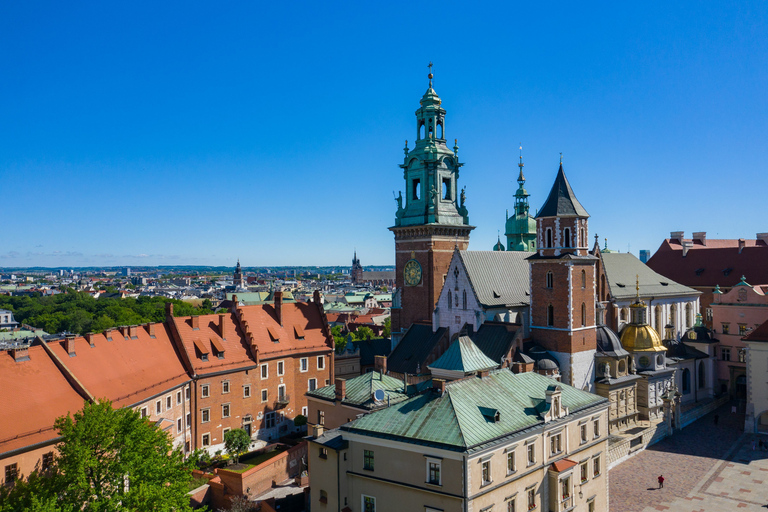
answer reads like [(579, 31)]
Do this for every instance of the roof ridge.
[(456, 416)]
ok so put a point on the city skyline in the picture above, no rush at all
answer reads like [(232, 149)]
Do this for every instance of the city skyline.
[(142, 135)]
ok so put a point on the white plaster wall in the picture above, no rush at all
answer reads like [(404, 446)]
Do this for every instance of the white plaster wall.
[(757, 387), (577, 370), (666, 303), (445, 314)]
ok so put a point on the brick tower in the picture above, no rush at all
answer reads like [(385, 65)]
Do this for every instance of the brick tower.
[(563, 285), (433, 221)]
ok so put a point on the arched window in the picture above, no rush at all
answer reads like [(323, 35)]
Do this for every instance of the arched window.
[(450, 299), (549, 237), (686, 381), (550, 279), (440, 130), (623, 314), (567, 237), (583, 314), (583, 279), (456, 298), (420, 133), (702, 380), (464, 299), (550, 316), (582, 240)]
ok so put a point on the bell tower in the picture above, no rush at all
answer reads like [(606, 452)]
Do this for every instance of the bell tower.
[(432, 222), (563, 285)]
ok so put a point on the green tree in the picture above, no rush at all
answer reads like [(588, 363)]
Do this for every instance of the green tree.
[(339, 340), (384, 289), (109, 459), (299, 420), (236, 441), (363, 333), (387, 332)]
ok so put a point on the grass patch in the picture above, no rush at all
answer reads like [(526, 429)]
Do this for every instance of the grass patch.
[(196, 482)]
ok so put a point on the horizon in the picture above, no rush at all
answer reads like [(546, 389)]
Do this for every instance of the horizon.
[(189, 134)]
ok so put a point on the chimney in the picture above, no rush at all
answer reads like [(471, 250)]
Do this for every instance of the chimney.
[(168, 310), (484, 373), (132, 332), (341, 389), (763, 237), (221, 325), (439, 386), (89, 338), (317, 299), (195, 321), (279, 307), (150, 329), (742, 244), (380, 364), (687, 247), (20, 354), (701, 237), (676, 236), (69, 344)]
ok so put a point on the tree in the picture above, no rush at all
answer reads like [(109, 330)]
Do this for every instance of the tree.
[(109, 459), (387, 332), (236, 441), (240, 504), (339, 340), (363, 333)]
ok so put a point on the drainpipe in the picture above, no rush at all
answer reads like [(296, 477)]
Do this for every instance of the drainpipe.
[(466, 484)]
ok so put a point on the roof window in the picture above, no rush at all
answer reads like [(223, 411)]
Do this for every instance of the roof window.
[(202, 349), (299, 332), (273, 333), (219, 347)]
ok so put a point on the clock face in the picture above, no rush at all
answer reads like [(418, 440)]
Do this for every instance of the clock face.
[(644, 362), (412, 273)]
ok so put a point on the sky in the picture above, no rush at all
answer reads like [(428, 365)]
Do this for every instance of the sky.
[(197, 133)]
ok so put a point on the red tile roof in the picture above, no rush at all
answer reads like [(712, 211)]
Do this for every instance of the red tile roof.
[(718, 262), (563, 464), (262, 319), (126, 371), (35, 393), (759, 334), (236, 351)]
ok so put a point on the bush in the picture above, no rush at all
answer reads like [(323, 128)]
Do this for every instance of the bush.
[(300, 421)]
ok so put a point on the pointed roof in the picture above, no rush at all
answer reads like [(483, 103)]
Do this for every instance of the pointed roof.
[(360, 390), (463, 356), (561, 201)]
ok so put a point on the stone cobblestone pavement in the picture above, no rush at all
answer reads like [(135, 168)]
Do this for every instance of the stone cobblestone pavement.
[(692, 461)]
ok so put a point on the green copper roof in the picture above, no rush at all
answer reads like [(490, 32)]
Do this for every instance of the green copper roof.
[(457, 421), (359, 390), (463, 356)]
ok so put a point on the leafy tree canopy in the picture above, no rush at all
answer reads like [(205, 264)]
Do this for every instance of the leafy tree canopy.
[(387, 332), (109, 459), (236, 442)]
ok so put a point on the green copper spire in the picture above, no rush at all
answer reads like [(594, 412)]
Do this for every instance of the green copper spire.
[(521, 228)]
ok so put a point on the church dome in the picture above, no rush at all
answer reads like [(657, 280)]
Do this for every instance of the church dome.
[(499, 246), (546, 364), (641, 338), (608, 342)]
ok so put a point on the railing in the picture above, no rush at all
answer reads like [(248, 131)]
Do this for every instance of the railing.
[(282, 400)]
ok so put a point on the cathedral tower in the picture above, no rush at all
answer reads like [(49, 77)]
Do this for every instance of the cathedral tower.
[(521, 226), (563, 285), (432, 222)]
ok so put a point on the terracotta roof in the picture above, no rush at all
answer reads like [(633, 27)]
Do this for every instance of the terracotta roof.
[(126, 371), (262, 319), (718, 262), (35, 393), (233, 343), (759, 334), (563, 464)]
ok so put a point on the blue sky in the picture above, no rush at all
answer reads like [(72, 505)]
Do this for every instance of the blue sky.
[(199, 132)]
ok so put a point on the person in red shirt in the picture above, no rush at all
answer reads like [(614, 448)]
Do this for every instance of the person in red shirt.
[(661, 482)]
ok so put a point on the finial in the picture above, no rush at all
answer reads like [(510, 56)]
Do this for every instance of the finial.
[(637, 287), (596, 237), (430, 75), (561, 158), (606, 243), (405, 149), (455, 146)]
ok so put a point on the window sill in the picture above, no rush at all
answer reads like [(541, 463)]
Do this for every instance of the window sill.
[(510, 473), (486, 484), (434, 484), (367, 469)]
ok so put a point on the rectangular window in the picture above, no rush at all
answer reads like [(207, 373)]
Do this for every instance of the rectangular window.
[(486, 472), (158, 407), (511, 505), (186, 393), (47, 460), (320, 418), (144, 412), (584, 471), (304, 364), (206, 439), (280, 368), (270, 419), (531, 454), (224, 387), (11, 473), (312, 384), (511, 466), (189, 419), (178, 397), (596, 425), (367, 459), (264, 395), (725, 353), (264, 371), (555, 444), (320, 362), (205, 391), (433, 472), (323, 452), (709, 314), (179, 427), (369, 504), (565, 488), (246, 391), (596, 466), (304, 411), (531, 498), (225, 411), (281, 396), (742, 329), (168, 402), (742, 355), (224, 432), (725, 328), (591, 505), (583, 432), (205, 415)]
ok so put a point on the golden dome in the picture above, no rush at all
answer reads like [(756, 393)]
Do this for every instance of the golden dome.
[(641, 338)]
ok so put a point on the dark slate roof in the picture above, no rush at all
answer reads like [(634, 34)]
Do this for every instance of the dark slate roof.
[(537, 352), (561, 200), (411, 353), (494, 339), (369, 349), (679, 350), (608, 342), (701, 335), (498, 278), (332, 439)]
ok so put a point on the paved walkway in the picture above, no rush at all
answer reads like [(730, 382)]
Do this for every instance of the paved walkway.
[(691, 461)]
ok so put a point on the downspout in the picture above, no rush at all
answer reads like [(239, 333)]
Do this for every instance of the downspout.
[(466, 484), (338, 480)]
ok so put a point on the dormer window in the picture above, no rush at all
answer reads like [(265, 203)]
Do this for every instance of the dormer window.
[(202, 350), (219, 347), (299, 332)]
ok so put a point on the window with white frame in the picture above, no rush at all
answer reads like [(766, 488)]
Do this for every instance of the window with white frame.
[(189, 419), (264, 395), (596, 428), (224, 432), (531, 493), (433, 471), (205, 415), (304, 364), (531, 449), (584, 471), (158, 407), (224, 387), (320, 362), (486, 472), (178, 398), (205, 391), (511, 463), (368, 503), (168, 402), (511, 506), (264, 371), (596, 465), (225, 410), (144, 412), (187, 393), (555, 444), (206, 439), (179, 427), (280, 368), (583, 432), (281, 392), (311, 384), (246, 391), (565, 487), (304, 411)]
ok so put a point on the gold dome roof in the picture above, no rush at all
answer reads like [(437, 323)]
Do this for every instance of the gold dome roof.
[(641, 338)]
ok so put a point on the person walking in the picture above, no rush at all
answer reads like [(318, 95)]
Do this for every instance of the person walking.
[(661, 482)]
